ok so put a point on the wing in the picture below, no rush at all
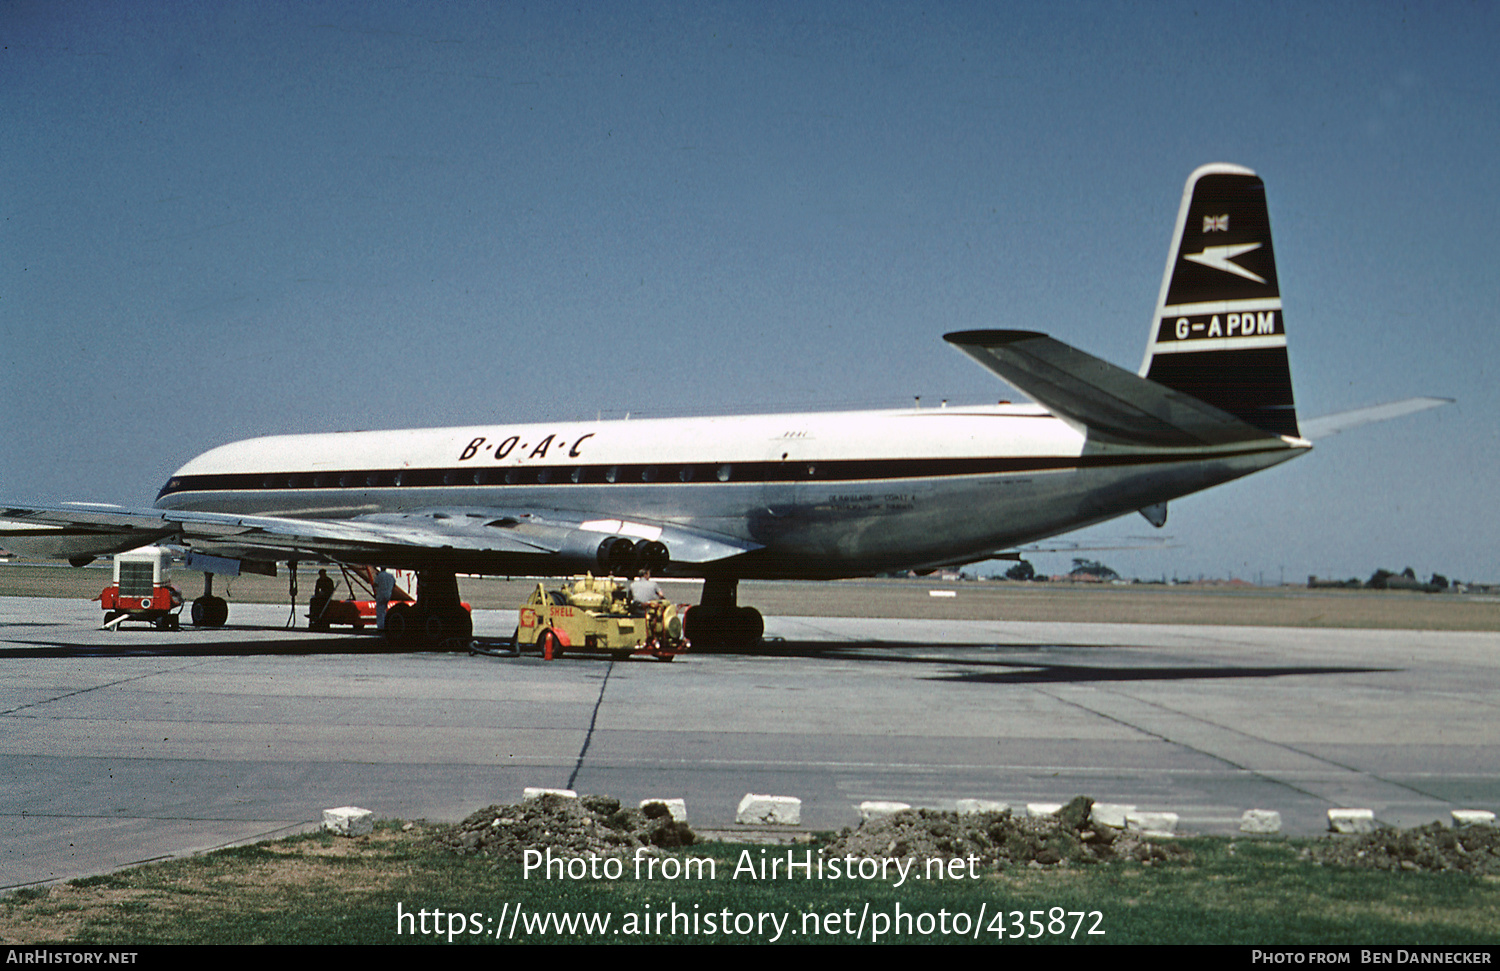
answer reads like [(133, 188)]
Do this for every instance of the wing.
[(492, 541), (1326, 425)]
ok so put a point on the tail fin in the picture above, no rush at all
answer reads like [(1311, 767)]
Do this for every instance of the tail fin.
[(1218, 333)]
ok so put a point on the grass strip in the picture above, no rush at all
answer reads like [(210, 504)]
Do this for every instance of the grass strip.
[(398, 886)]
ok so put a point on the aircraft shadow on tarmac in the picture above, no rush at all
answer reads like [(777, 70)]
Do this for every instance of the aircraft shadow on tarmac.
[(293, 643), (956, 668), (1000, 670)]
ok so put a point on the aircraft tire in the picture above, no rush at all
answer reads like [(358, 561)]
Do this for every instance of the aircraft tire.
[(724, 628), (750, 626), (447, 624), (210, 612), (398, 622)]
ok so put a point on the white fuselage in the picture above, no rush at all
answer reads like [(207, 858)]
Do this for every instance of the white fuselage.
[(822, 495)]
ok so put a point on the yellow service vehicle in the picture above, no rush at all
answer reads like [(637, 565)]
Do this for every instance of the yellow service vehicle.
[(598, 614)]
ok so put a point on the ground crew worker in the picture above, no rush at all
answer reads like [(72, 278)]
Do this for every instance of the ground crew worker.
[(322, 594)]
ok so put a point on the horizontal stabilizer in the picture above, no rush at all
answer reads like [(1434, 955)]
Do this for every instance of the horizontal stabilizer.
[(1113, 403), (1342, 421)]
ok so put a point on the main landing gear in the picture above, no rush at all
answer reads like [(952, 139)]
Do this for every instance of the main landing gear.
[(719, 623), (437, 616)]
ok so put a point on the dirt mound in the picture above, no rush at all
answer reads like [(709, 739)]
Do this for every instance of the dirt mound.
[(587, 826), (1002, 839), (1433, 848)]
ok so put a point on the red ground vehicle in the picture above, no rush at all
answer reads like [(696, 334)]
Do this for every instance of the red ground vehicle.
[(141, 591), (358, 609)]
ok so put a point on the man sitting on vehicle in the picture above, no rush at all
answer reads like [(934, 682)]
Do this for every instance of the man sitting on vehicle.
[(644, 590)]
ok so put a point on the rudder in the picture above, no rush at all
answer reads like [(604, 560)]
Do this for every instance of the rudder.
[(1218, 332)]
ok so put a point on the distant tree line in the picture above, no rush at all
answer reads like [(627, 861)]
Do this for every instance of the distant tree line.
[(1387, 580), (1082, 570)]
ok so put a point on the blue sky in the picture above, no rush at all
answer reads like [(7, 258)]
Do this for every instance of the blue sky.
[(235, 219)]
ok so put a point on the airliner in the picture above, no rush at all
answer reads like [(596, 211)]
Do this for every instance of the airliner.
[(797, 496)]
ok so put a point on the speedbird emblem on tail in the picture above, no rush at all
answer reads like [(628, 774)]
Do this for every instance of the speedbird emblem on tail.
[(795, 496)]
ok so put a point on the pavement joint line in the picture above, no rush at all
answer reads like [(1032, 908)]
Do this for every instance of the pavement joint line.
[(588, 736), (99, 687), (1276, 778)]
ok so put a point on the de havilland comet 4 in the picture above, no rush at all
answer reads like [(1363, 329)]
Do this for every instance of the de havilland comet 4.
[(798, 496)]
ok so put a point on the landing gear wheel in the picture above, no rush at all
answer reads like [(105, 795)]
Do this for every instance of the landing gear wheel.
[(398, 626), (749, 625), (724, 628), (448, 624), (209, 611)]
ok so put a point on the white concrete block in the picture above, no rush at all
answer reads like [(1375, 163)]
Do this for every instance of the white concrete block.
[(1040, 809), (1111, 814), (777, 810), (1351, 820), (1260, 821), (537, 792), (1472, 817), (348, 821), (876, 808), (677, 807), (1151, 824), (967, 807)]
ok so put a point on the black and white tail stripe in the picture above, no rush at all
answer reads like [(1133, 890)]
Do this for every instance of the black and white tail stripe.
[(1218, 332)]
